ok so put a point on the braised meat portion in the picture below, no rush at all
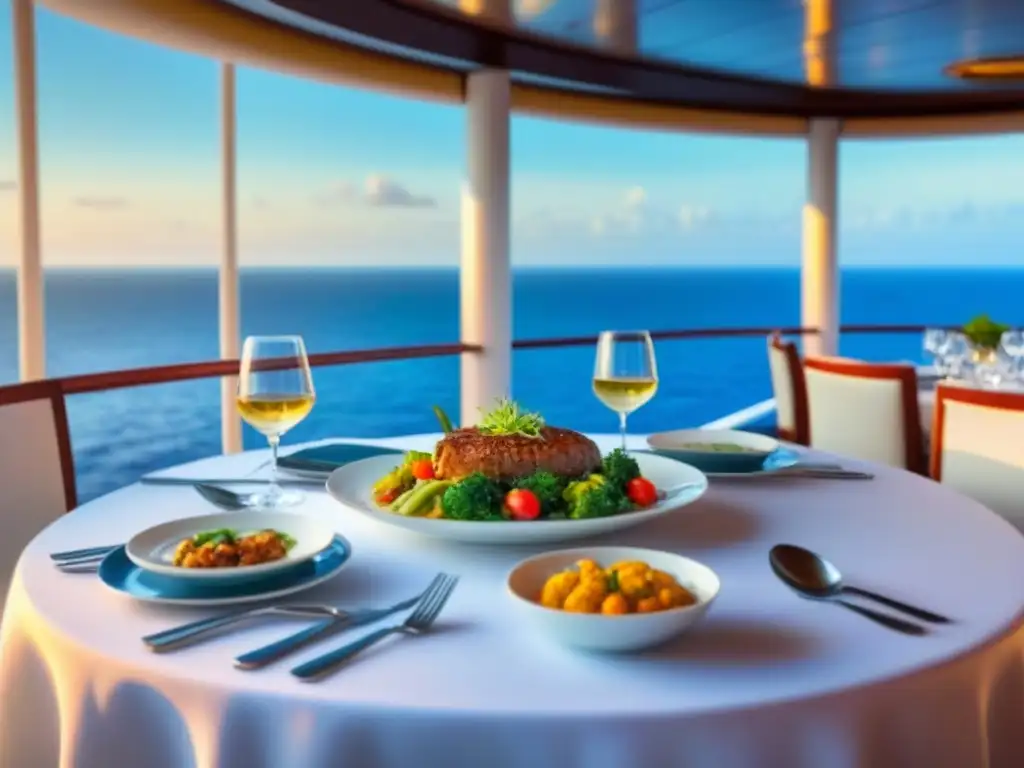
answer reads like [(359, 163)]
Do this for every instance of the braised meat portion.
[(507, 457)]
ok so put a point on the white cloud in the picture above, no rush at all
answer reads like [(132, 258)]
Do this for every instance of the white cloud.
[(378, 191), (636, 213), (382, 191), (101, 203)]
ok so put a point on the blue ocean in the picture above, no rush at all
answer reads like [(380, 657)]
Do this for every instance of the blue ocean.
[(106, 320)]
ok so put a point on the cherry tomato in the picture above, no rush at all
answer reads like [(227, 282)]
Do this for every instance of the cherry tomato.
[(422, 469), (641, 492), (521, 504), (386, 497)]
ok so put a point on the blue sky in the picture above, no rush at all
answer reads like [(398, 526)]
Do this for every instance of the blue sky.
[(331, 176)]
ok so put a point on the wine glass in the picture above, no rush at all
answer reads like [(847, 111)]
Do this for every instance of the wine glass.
[(625, 372), (935, 340), (1012, 343), (957, 356), (275, 392)]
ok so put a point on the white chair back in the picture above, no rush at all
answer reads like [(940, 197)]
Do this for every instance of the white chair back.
[(865, 411), (36, 473), (978, 447)]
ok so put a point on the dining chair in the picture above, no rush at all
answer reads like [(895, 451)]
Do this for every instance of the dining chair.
[(866, 411), (790, 390), (977, 447), (37, 473)]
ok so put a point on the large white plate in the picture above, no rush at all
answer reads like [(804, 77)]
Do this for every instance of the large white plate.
[(153, 549), (352, 486)]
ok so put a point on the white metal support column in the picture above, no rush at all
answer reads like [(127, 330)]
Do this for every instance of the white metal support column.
[(486, 274), (616, 24), (227, 278), (31, 327), (820, 271)]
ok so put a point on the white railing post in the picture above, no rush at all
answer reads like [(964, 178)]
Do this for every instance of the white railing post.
[(227, 277), (616, 25), (820, 270), (31, 318), (485, 276)]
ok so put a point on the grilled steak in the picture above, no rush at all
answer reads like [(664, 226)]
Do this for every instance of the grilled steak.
[(506, 457)]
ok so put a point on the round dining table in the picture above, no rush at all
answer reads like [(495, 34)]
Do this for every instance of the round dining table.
[(767, 679)]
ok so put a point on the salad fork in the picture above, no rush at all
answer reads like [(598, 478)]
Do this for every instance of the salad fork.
[(418, 623)]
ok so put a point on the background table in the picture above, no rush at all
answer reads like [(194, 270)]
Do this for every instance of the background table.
[(767, 680)]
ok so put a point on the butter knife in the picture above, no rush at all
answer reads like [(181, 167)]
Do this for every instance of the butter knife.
[(268, 654)]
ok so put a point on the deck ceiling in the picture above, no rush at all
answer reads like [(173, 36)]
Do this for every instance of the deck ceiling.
[(880, 44), (734, 55)]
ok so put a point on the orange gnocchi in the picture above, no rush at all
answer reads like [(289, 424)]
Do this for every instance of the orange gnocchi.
[(621, 588)]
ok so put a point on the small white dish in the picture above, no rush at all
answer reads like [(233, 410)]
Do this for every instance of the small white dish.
[(153, 549), (698, 447), (352, 486), (597, 632)]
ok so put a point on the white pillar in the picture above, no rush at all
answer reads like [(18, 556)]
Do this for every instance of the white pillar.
[(820, 273), (616, 25), (227, 278), (31, 327), (486, 279)]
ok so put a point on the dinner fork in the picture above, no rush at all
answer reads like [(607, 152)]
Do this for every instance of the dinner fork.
[(418, 623), (268, 654)]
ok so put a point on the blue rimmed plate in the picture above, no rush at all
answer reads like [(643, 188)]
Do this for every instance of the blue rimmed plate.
[(120, 574), (783, 458)]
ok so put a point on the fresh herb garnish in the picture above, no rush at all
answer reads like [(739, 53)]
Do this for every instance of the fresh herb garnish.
[(985, 333), (506, 419)]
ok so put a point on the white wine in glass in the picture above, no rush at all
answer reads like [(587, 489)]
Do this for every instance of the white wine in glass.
[(625, 373), (275, 392)]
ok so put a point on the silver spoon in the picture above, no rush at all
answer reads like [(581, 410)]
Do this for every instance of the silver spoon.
[(815, 578)]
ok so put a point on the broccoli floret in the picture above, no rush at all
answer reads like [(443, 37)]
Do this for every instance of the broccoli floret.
[(592, 500), (476, 497), (619, 467), (547, 487)]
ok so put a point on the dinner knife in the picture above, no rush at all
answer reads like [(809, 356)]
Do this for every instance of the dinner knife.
[(268, 654), (158, 480)]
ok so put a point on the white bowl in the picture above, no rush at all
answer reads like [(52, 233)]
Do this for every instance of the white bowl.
[(693, 446), (597, 632)]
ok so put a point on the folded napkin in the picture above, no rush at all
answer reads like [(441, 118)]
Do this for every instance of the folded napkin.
[(324, 458)]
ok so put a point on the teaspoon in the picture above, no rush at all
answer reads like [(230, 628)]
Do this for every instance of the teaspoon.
[(814, 577)]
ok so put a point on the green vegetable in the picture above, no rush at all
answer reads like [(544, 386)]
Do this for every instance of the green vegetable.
[(613, 581), (476, 497), (443, 420), (219, 536), (619, 467), (288, 541), (395, 505), (593, 500), (983, 332), (578, 488), (411, 457), (400, 479), (548, 489), (421, 498), (506, 419)]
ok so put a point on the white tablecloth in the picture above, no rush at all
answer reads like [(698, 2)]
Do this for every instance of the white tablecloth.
[(768, 680)]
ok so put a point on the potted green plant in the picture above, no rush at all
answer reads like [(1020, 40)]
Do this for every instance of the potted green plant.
[(984, 334)]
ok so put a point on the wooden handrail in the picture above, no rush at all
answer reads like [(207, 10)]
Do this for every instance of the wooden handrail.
[(133, 377), (162, 374)]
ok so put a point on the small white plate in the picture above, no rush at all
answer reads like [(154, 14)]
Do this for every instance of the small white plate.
[(597, 632), (153, 549), (352, 485)]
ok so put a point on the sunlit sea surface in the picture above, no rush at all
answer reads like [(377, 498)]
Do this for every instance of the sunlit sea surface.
[(105, 320)]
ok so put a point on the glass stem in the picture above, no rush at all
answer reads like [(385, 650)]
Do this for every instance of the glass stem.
[(273, 490), (622, 429)]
